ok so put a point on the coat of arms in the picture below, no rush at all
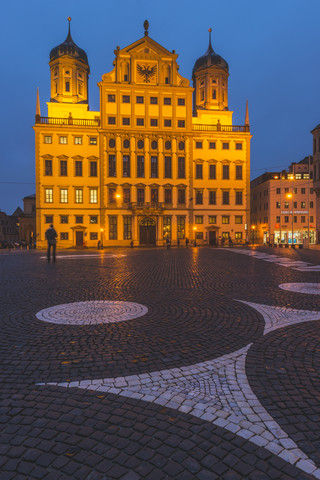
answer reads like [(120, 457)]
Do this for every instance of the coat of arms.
[(147, 72)]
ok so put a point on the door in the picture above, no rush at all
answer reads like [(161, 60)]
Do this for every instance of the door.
[(148, 231), (212, 237), (79, 238)]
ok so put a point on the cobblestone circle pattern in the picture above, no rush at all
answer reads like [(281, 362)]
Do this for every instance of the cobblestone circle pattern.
[(307, 288), (92, 312)]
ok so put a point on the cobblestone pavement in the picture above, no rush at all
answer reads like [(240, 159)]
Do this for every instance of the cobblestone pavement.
[(160, 364)]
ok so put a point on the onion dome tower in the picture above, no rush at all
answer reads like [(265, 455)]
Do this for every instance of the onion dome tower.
[(210, 81), (69, 72)]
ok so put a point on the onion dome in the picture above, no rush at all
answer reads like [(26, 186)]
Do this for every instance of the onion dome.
[(210, 58), (68, 47)]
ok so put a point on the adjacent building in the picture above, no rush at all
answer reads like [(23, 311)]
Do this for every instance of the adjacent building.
[(283, 206), (161, 159)]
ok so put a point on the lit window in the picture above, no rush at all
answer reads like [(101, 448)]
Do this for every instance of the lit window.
[(78, 140), (93, 141), (78, 195), (47, 139), (63, 195), (63, 140), (127, 227), (212, 219), (48, 195), (238, 235), (93, 219), (238, 219), (199, 219), (93, 195), (225, 219), (303, 204)]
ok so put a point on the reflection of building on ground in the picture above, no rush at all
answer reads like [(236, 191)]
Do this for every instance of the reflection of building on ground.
[(159, 160), (283, 206)]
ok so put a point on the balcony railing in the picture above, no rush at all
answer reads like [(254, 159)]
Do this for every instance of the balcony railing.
[(146, 206), (222, 128), (82, 122)]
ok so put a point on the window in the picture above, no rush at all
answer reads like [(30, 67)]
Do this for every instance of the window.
[(126, 121), (181, 123), (93, 219), (140, 166), (78, 168), (311, 191), (225, 235), (286, 204), (303, 190), (225, 219), (167, 123), (181, 196), (303, 204), (199, 235), (212, 197), (167, 101), (167, 167), (303, 219), (199, 171), (112, 166), (93, 169), (181, 101), (212, 145), (225, 172), (305, 176), (153, 122), (154, 144), (64, 219), (79, 218), (295, 190), (181, 167), (140, 144), (278, 218), (238, 235), (167, 145), (140, 122), (112, 195), (295, 204), (278, 191), (48, 195), (112, 143), (238, 198), (168, 196), (154, 167), (140, 195), (126, 195), (93, 195), (286, 190), (198, 144), (181, 146), (154, 100), (238, 219), (48, 167), (63, 195), (126, 166), (311, 204), (78, 140), (67, 86), (139, 99), (48, 219), (298, 176), (64, 236), (214, 94), (311, 218), (111, 120), (225, 198), (238, 172), (166, 227), (286, 219), (126, 143), (238, 146), (295, 219), (47, 139), (277, 204), (212, 219), (199, 197), (225, 146), (113, 234), (212, 172), (78, 195), (93, 235), (125, 98), (127, 227), (111, 98), (154, 195), (93, 141), (199, 219), (181, 222), (63, 168), (63, 140)]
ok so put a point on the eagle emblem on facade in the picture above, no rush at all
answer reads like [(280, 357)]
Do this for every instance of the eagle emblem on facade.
[(147, 72)]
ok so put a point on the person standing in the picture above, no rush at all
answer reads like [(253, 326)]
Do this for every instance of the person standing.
[(51, 236), (187, 242)]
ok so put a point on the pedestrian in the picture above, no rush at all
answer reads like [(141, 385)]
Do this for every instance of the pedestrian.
[(230, 242), (99, 245), (178, 243), (51, 236), (131, 244), (187, 242)]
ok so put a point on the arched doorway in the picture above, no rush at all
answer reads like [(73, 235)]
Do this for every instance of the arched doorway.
[(148, 231)]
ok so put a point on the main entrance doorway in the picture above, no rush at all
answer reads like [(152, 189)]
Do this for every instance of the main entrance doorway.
[(212, 237), (148, 231), (79, 238)]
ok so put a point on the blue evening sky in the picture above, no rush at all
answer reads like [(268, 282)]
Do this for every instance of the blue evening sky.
[(272, 49)]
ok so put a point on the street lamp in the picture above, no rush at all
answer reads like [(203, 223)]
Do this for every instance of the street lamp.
[(253, 229), (290, 195), (101, 242)]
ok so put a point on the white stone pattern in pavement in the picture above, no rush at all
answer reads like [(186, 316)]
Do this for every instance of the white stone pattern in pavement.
[(282, 261), (306, 288), (217, 391), (92, 312)]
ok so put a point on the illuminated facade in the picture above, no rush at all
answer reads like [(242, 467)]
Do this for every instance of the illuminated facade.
[(160, 160), (283, 206)]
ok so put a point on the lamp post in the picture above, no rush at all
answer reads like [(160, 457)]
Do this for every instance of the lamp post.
[(101, 244), (253, 229), (195, 240), (290, 195)]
